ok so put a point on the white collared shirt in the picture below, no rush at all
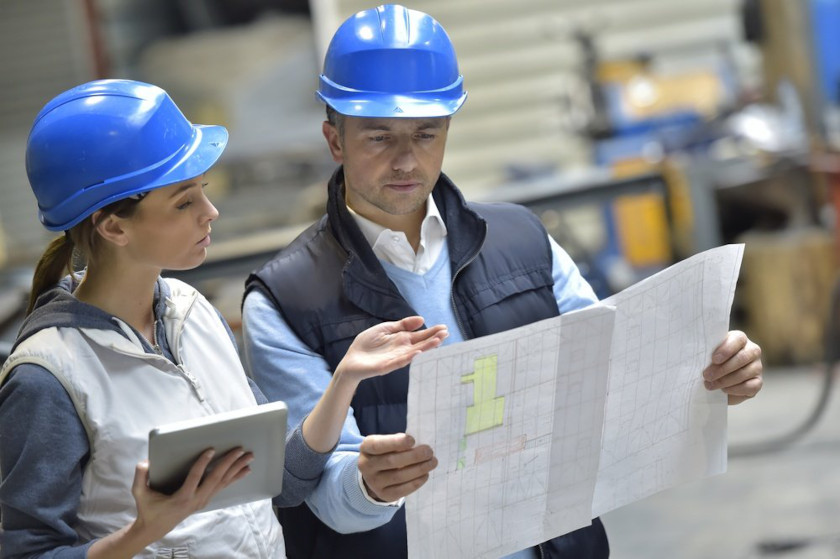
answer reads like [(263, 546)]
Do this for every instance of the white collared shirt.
[(393, 246)]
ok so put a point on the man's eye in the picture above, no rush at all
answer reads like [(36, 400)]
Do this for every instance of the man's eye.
[(185, 205)]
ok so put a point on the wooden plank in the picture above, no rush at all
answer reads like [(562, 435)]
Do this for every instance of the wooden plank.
[(785, 289)]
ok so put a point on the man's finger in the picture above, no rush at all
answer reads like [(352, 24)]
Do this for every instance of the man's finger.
[(734, 341), (375, 445), (395, 460), (395, 492), (396, 477), (389, 483), (746, 389), (751, 370), (747, 355)]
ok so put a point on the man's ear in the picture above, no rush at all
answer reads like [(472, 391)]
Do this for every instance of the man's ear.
[(110, 228), (333, 138)]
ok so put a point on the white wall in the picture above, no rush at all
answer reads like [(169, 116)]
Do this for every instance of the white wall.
[(519, 58)]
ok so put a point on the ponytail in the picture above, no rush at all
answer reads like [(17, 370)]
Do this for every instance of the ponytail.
[(81, 241), (55, 263)]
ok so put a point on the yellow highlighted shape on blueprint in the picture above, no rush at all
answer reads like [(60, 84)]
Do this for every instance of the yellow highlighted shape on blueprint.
[(488, 410)]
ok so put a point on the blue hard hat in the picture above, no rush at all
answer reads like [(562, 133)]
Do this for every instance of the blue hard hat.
[(107, 140), (391, 62)]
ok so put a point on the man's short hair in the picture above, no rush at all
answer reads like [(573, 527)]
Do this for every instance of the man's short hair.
[(336, 119)]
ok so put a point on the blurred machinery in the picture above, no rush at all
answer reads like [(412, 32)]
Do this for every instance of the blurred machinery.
[(633, 158)]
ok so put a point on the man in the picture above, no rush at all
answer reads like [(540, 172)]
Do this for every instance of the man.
[(399, 239)]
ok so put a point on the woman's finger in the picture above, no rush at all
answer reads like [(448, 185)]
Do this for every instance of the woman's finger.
[(141, 478), (437, 331), (237, 470), (197, 470), (215, 478), (407, 324)]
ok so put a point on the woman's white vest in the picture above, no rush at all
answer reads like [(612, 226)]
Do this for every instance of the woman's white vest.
[(121, 393)]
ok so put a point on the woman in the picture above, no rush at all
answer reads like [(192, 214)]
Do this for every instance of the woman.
[(105, 356)]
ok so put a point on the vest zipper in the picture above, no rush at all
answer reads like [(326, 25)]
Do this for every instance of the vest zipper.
[(199, 390), (452, 287), (155, 344), (174, 345), (194, 382)]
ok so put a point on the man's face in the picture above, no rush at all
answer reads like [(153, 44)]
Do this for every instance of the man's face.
[(390, 164)]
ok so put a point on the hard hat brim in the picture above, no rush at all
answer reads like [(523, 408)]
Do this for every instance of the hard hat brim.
[(383, 104), (395, 106)]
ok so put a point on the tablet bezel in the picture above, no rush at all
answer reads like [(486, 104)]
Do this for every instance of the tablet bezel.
[(174, 447)]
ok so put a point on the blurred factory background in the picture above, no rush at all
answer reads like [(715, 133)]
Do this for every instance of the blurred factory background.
[(640, 131)]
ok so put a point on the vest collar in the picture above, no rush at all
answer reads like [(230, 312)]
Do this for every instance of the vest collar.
[(467, 228), (365, 280), (459, 217)]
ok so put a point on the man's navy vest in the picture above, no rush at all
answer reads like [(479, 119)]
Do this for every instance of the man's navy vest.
[(329, 286)]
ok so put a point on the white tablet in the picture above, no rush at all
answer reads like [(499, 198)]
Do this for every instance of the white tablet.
[(174, 448)]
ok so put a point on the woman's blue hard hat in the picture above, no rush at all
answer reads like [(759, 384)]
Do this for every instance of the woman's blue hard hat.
[(107, 140)]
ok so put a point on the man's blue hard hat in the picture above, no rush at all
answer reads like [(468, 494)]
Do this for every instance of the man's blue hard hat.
[(107, 140), (391, 62)]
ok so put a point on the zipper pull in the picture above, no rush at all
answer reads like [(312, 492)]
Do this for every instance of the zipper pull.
[(199, 391)]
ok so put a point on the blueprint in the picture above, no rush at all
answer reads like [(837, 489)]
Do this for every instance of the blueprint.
[(499, 412), (662, 427), (541, 428)]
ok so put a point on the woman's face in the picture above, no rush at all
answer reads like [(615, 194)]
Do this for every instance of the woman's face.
[(171, 227)]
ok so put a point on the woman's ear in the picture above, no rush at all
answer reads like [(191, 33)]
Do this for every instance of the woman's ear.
[(110, 228)]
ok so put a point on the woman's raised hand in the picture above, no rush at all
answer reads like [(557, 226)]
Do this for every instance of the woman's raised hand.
[(388, 346)]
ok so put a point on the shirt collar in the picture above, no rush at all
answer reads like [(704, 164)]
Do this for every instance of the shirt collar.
[(431, 224)]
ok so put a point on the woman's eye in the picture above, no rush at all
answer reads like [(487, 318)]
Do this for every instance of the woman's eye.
[(185, 205)]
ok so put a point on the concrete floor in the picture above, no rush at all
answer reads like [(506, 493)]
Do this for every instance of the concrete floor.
[(786, 496)]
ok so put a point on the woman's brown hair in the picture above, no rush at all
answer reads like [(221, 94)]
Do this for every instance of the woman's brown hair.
[(73, 250)]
